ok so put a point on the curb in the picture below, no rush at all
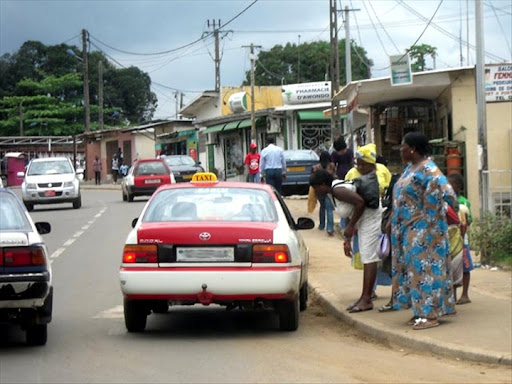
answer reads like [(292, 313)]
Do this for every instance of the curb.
[(375, 330)]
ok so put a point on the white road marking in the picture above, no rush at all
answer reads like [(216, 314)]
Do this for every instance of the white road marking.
[(57, 253), (116, 312), (77, 234)]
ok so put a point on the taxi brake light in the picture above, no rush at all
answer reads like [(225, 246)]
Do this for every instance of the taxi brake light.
[(270, 253), (23, 256), (140, 254)]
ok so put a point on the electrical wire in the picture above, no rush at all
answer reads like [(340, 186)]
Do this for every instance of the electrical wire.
[(375, 29), (239, 14), (501, 27), (382, 26)]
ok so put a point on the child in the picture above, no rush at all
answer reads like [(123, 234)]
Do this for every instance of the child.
[(466, 218)]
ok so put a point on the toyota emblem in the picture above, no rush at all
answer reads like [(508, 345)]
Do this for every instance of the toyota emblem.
[(205, 236), (49, 185)]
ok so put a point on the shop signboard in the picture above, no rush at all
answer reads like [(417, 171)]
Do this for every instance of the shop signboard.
[(317, 92), (400, 66), (498, 82), (238, 102)]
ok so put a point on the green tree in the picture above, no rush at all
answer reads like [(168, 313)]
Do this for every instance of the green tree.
[(418, 53), (307, 62)]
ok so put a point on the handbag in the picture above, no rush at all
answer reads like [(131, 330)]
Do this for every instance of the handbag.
[(383, 247)]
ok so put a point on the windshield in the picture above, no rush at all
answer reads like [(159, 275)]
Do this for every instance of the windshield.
[(151, 168), (49, 167), (179, 160), (11, 215), (211, 204), (300, 155)]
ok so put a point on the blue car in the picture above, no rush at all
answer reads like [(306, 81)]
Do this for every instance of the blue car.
[(298, 169)]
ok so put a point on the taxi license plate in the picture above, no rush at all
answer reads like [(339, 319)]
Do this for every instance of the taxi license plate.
[(295, 169), (205, 254), (49, 193), (187, 177), (152, 181)]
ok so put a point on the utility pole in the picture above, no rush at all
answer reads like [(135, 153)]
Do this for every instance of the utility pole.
[(348, 73), (217, 56), (334, 69), (481, 108), (86, 81), (252, 57), (100, 95), (298, 62)]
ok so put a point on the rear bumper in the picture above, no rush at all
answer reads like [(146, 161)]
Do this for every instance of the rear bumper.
[(142, 191), (24, 290), (187, 284)]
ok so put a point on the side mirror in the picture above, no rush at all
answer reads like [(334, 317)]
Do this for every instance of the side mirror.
[(43, 227), (134, 222), (20, 175), (305, 223)]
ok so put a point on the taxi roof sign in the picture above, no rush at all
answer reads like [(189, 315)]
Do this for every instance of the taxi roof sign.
[(204, 177)]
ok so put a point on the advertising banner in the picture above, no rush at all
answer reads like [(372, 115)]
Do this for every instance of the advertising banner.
[(400, 66), (316, 92), (498, 82), (238, 102)]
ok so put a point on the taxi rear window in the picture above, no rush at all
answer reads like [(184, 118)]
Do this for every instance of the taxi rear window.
[(11, 215), (215, 204)]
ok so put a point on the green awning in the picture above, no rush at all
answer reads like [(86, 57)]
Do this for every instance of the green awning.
[(231, 125), (313, 115), (187, 132), (214, 128), (247, 123)]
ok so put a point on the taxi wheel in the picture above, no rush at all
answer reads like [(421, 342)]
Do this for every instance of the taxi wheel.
[(135, 315), (30, 207), (304, 296), (129, 197), (124, 196), (37, 334), (289, 315)]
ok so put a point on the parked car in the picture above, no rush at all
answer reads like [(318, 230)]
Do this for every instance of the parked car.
[(50, 180), (144, 177), (211, 242), (26, 291), (183, 167), (298, 170)]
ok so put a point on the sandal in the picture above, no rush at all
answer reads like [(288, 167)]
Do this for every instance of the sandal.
[(422, 323), (412, 320), (386, 308)]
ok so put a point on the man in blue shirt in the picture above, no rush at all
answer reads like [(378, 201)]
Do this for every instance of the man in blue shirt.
[(273, 165)]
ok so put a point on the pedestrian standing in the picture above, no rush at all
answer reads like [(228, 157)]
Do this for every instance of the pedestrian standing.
[(419, 236), (115, 168), (326, 211), (342, 157), (96, 166), (273, 165), (252, 159)]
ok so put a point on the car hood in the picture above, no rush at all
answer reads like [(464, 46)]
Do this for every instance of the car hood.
[(206, 233), (57, 178)]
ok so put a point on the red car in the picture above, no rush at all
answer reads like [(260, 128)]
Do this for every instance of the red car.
[(144, 177)]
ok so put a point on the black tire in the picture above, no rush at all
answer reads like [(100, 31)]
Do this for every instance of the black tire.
[(289, 315), (30, 207), (124, 196), (37, 334), (135, 315), (77, 203), (130, 197), (304, 296), (160, 306)]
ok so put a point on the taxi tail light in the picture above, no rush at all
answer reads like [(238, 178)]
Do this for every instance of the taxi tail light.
[(140, 254), (270, 254), (23, 256)]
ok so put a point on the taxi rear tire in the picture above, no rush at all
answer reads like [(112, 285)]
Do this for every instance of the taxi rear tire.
[(129, 197), (289, 314), (304, 296), (135, 315), (37, 334), (124, 196)]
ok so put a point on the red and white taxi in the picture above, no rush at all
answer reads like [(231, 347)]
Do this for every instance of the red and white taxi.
[(228, 243)]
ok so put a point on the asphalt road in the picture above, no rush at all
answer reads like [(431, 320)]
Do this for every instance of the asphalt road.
[(87, 340)]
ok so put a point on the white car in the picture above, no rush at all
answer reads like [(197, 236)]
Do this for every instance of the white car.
[(26, 291), (228, 243), (51, 180)]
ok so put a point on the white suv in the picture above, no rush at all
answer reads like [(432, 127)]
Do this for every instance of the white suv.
[(50, 180)]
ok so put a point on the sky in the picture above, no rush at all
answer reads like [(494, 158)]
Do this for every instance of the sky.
[(151, 34)]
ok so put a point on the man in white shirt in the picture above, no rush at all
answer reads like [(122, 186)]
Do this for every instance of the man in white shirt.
[(273, 165)]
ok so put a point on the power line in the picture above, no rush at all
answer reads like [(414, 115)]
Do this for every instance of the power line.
[(239, 14)]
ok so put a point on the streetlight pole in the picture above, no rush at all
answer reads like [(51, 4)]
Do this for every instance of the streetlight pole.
[(85, 63)]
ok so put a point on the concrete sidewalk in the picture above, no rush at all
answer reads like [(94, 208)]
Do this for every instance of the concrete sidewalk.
[(481, 331)]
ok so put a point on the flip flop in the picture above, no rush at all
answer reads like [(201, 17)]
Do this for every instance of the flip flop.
[(357, 309), (351, 306), (386, 308), (463, 301), (422, 323)]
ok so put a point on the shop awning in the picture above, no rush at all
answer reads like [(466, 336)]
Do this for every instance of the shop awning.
[(214, 128), (231, 125), (247, 123), (188, 132), (313, 115)]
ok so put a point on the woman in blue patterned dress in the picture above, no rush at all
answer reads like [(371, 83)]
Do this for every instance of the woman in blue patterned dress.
[(421, 278)]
